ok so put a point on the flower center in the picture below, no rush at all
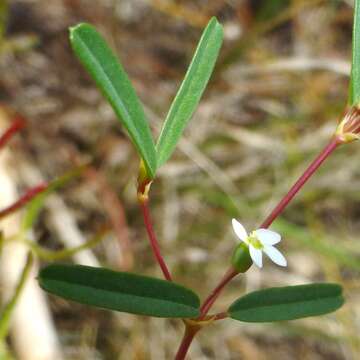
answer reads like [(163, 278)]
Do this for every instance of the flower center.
[(254, 241)]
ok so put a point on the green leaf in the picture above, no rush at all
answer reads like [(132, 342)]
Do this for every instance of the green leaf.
[(120, 291), (111, 78), (354, 91), (287, 303), (190, 91)]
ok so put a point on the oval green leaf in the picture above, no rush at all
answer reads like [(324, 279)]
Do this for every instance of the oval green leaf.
[(354, 91), (120, 291), (111, 78), (287, 303), (190, 91)]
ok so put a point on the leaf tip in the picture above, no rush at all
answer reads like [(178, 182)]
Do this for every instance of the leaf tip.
[(214, 19), (215, 22)]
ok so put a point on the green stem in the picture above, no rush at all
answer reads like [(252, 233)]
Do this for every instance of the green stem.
[(9, 307)]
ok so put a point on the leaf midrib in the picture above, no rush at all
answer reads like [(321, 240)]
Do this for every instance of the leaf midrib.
[(184, 87), (289, 302), (94, 58), (76, 286)]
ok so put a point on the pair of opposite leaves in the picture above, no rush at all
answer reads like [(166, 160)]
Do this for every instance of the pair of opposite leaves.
[(111, 78)]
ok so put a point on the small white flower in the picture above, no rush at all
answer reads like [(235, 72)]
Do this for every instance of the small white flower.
[(260, 240)]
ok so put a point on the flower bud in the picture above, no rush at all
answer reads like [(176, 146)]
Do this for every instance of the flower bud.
[(349, 128), (241, 259)]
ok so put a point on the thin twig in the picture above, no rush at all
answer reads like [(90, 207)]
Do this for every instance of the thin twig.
[(28, 196), (329, 148), (17, 125), (205, 307)]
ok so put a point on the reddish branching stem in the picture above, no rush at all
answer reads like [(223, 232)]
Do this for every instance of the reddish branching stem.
[(28, 196), (144, 204), (17, 125), (209, 301), (189, 335), (190, 332), (329, 148)]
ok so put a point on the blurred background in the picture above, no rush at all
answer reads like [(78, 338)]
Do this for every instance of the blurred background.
[(279, 88)]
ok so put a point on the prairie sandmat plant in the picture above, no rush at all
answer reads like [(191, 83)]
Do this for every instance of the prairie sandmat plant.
[(144, 295)]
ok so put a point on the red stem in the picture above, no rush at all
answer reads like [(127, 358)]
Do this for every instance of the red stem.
[(221, 315), (153, 241), (205, 307), (231, 273), (186, 342), (30, 194), (16, 126), (190, 332), (329, 148)]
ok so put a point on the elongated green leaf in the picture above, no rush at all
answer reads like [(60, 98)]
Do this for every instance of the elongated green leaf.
[(111, 78), (120, 291), (354, 91), (287, 303), (191, 89)]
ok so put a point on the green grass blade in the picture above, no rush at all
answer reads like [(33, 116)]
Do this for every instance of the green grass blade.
[(5, 315), (111, 78), (36, 204), (53, 255), (354, 91), (4, 352), (191, 89), (287, 303), (120, 291)]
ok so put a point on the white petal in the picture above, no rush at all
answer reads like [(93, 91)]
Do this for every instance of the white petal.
[(275, 255), (256, 256), (239, 230), (267, 237)]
